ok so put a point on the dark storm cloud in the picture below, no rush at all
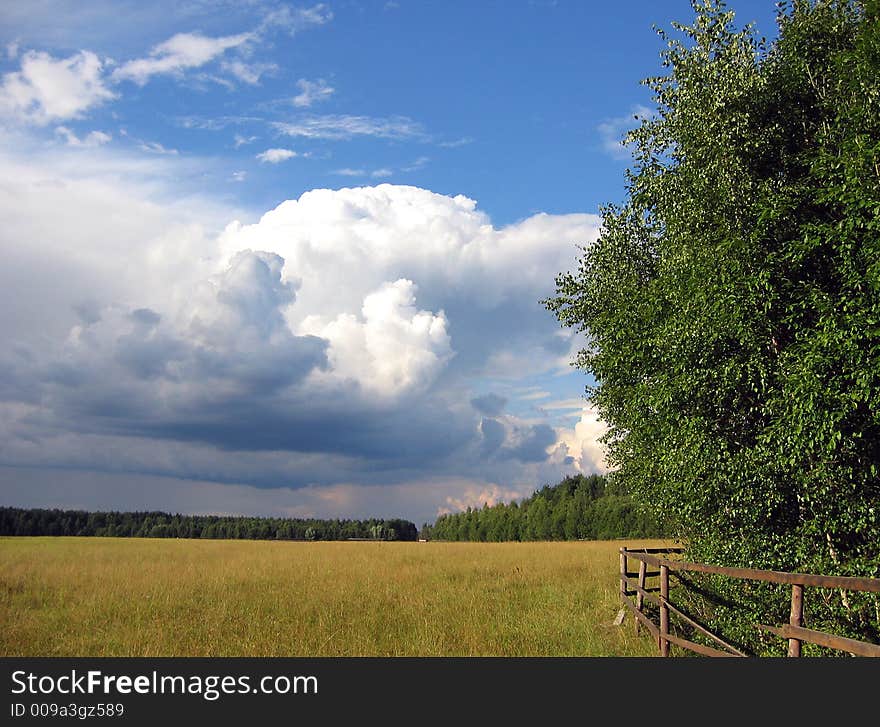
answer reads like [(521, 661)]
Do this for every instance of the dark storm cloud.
[(297, 424), (20, 375), (493, 434), (145, 317), (534, 447), (148, 356), (489, 404)]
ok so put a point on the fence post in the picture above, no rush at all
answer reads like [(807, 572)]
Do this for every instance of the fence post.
[(664, 610), (623, 566), (640, 599), (796, 617)]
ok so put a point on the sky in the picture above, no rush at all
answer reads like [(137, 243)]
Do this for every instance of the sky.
[(267, 258)]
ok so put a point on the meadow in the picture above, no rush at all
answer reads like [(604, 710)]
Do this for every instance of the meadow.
[(168, 597)]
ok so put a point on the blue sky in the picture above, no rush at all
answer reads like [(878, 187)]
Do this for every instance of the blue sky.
[(270, 258)]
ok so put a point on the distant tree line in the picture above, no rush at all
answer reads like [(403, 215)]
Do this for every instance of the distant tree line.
[(578, 508), (17, 521)]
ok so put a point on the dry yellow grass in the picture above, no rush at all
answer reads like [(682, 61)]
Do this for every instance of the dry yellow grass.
[(140, 597)]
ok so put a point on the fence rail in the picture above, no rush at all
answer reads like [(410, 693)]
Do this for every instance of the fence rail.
[(634, 584)]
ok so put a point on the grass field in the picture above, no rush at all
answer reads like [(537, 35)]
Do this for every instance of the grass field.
[(150, 597)]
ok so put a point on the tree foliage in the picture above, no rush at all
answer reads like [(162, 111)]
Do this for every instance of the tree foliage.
[(578, 508), (732, 302), (19, 521)]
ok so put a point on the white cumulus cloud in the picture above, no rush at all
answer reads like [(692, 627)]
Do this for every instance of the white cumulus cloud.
[(582, 442), (47, 89), (276, 156), (392, 348), (371, 235)]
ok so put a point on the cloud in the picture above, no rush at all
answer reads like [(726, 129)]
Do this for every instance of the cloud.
[(365, 235), (178, 53), (216, 123), (238, 176), (419, 163), (455, 143), (344, 127), (154, 147), (276, 156), (509, 438), (312, 92), (392, 349), (92, 139), (115, 227), (612, 131), (531, 444), (249, 73), (332, 344), (578, 404), (160, 374), (535, 395), (582, 442), (489, 404), (493, 435), (243, 140), (294, 20), (381, 173), (48, 89), (479, 497)]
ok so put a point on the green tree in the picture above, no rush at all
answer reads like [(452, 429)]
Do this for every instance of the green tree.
[(732, 302)]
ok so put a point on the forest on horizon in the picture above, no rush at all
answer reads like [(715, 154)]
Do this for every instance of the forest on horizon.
[(577, 508)]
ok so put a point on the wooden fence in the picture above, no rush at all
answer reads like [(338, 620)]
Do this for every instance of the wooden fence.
[(635, 584)]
